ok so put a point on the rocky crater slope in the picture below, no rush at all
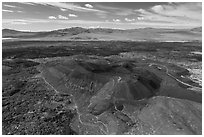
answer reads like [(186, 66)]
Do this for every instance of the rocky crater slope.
[(123, 97), (101, 87)]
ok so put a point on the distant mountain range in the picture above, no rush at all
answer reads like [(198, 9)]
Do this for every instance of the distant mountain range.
[(78, 33)]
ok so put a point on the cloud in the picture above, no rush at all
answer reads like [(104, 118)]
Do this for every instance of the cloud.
[(140, 18), (24, 21), (88, 5), (174, 14), (7, 10), (72, 15), (116, 20), (10, 6), (19, 23), (62, 17), (116, 11), (14, 21), (28, 3), (52, 17), (19, 11), (129, 20), (70, 6), (187, 10), (6, 21), (63, 9), (125, 12), (142, 11)]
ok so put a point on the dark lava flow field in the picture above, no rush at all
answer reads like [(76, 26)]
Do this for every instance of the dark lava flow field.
[(101, 87)]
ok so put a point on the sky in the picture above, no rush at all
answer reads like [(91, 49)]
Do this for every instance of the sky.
[(46, 16)]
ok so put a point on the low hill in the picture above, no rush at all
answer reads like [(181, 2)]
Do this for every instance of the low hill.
[(9, 33), (78, 33), (198, 29)]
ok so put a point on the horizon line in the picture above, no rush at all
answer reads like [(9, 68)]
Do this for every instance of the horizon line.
[(102, 28)]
